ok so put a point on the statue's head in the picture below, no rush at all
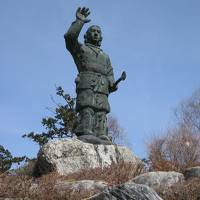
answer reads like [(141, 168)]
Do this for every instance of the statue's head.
[(93, 35)]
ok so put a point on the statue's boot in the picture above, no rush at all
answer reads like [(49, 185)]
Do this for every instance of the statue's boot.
[(95, 140), (105, 138), (90, 121), (85, 122), (100, 127)]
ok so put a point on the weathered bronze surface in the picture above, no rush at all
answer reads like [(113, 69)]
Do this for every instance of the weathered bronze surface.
[(94, 82)]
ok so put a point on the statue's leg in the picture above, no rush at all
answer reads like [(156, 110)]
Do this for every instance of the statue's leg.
[(100, 124), (85, 122)]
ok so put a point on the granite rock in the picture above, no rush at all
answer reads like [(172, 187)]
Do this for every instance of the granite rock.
[(160, 179), (192, 172), (126, 191), (71, 155)]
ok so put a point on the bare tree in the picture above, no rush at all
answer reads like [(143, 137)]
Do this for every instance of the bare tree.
[(115, 131), (188, 112), (179, 147)]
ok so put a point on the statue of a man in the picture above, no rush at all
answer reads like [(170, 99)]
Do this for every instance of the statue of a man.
[(95, 79)]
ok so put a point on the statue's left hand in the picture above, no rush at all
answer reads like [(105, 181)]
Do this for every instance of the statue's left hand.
[(82, 14), (113, 88)]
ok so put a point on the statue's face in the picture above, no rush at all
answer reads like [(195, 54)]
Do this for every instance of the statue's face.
[(94, 35)]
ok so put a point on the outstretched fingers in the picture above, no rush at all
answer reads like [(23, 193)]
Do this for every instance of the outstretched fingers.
[(82, 14), (85, 11), (88, 13), (78, 10)]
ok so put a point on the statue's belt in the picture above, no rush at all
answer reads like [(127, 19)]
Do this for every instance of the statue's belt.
[(92, 80), (93, 74)]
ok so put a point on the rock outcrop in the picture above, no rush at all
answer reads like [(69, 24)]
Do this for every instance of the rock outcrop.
[(127, 191), (160, 179), (192, 172), (71, 155), (82, 185)]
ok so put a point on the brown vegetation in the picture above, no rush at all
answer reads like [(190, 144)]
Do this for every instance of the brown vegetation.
[(113, 175), (40, 189), (21, 186), (179, 147), (189, 190), (177, 150)]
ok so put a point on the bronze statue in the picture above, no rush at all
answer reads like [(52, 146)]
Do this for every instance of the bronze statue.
[(94, 82)]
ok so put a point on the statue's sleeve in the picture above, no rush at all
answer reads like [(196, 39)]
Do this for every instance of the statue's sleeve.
[(71, 36), (110, 74)]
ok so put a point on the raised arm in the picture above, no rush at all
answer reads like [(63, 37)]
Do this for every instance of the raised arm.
[(71, 37)]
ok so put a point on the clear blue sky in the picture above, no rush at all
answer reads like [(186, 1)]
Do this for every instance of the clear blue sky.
[(156, 42)]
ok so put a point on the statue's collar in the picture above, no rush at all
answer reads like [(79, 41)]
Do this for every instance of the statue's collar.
[(93, 46)]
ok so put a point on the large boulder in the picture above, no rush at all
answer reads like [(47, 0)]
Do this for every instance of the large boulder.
[(192, 172), (71, 155), (81, 185), (127, 191), (73, 186), (159, 180)]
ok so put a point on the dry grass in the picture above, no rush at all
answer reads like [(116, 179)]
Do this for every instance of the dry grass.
[(176, 150), (38, 189), (114, 174), (43, 188), (189, 190)]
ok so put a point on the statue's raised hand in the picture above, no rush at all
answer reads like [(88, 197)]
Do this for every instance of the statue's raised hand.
[(82, 14)]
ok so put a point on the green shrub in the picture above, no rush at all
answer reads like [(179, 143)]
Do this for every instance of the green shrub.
[(6, 159)]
